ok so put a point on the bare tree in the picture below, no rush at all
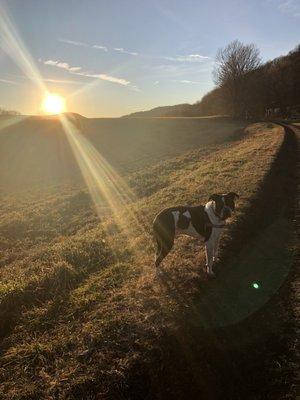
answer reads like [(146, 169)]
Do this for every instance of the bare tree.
[(235, 61), (233, 64)]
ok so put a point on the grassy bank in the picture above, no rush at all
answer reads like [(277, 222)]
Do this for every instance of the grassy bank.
[(81, 303)]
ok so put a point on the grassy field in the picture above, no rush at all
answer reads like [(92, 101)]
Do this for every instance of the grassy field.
[(35, 152), (82, 314)]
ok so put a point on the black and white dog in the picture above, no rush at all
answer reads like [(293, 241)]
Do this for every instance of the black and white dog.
[(204, 222)]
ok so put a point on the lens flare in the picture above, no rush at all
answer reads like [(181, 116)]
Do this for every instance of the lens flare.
[(255, 285)]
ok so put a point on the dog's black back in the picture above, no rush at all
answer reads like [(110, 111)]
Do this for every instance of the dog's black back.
[(164, 227)]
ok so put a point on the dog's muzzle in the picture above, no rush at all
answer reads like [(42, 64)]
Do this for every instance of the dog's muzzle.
[(226, 213)]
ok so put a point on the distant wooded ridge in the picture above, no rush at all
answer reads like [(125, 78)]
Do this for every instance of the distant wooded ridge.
[(3, 111), (245, 87)]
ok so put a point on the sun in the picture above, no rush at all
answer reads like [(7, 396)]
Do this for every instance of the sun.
[(53, 104)]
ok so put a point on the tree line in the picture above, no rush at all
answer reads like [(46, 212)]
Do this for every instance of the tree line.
[(246, 87), (3, 111)]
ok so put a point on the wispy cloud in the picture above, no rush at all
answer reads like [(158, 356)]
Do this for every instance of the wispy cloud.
[(105, 77), (184, 81), (62, 65), (78, 71), (74, 43), (290, 7), (189, 58), (188, 82), (121, 50), (62, 81), (179, 58), (8, 81), (99, 47), (82, 44)]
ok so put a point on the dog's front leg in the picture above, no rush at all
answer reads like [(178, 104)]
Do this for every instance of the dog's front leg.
[(216, 246), (209, 252)]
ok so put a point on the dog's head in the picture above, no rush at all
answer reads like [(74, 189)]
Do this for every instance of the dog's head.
[(224, 204)]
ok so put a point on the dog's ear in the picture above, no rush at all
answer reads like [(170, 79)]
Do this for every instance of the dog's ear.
[(232, 195), (214, 197)]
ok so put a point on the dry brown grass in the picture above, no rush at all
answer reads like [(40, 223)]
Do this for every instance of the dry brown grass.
[(99, 310)]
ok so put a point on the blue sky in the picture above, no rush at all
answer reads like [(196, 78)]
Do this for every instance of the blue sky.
[(110, 58)]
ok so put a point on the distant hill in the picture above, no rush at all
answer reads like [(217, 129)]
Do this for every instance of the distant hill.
[(179, 110), (70, 115), (74, 115), (14, 117)]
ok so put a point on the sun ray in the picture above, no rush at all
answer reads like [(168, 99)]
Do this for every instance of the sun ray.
[(12, 44), (104, 184)]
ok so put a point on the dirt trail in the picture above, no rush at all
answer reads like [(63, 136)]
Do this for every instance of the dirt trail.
[(295, 281)]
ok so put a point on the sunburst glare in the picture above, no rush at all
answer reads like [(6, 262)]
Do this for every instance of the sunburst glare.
[(53, 104)]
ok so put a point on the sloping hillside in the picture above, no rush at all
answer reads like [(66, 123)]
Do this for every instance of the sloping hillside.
[(35, 153), (179, 110), (82, 313)]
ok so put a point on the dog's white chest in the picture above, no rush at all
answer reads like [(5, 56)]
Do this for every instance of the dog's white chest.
[(190, 230)]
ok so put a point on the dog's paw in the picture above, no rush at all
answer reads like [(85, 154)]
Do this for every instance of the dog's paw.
[(159, 272), (211, 274), (203, 269)]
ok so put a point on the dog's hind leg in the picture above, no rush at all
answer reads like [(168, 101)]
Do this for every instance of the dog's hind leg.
[(163, 249), (209, 251), (164, 233), (158, 254), (216, 247)]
